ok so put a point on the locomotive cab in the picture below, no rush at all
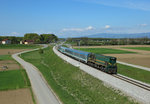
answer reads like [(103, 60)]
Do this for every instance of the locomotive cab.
[(112, 67), (112, 60)]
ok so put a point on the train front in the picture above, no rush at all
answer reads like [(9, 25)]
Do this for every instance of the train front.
[(112, 65)]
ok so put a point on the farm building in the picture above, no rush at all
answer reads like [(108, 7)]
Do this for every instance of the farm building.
[(27, 42), (6, 41)]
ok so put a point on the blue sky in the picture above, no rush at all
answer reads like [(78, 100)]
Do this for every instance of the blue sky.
[(67, 18)]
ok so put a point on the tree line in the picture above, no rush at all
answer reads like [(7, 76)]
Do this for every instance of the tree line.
[(36, 38), (85, 41), (14, 40)]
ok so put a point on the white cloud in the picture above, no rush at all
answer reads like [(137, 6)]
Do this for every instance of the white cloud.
[(89, 28), (107, 26), (15, 33), (78, 29), (143, 25), (72, 29), (43, 32)]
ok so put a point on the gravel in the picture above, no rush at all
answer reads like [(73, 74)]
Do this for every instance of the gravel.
[(137, 93)]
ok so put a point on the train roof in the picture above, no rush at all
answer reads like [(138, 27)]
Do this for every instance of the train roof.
[(86, 53), (77, 51)]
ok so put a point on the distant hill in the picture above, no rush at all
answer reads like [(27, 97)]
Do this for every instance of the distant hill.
[(109, 35)]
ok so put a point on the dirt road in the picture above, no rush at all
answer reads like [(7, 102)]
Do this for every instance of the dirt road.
[(42, 92)]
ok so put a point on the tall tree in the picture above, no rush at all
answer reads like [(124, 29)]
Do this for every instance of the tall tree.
[(32, 36), (48, 38)]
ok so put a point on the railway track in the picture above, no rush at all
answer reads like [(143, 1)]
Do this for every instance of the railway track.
[(129, 80), (136, 83)]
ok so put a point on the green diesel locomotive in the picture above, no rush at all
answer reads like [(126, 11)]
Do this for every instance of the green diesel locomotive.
[(105, 63)]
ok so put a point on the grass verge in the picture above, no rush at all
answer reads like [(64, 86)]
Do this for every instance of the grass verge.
[(18, 46), (138, 48), (72, 85), (135, 73), (104, 50)]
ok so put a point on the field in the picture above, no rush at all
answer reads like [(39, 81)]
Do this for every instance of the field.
[(138, 48), (7, 60), (72, 85), (18, 46), (13, 79), (14, 83), (141, 57), (5, 57), (104, 50), (19, 96)]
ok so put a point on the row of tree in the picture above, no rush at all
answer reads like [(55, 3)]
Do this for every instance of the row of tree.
[(84, 41), (42, 38), (14, 40)]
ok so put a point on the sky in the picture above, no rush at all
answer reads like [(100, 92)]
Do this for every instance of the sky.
[(73, 18)]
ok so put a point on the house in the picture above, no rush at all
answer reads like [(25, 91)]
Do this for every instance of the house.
[(6, 41), (21, 42), (27, 42)]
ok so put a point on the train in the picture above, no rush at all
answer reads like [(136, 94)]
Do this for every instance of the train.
[(104, 63)]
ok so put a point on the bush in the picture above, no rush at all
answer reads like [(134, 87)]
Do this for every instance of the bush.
[(41, 51)]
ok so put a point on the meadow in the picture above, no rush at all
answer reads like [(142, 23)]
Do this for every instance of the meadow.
[(104, 50), (18, 46), (138, 48), (72, 85)]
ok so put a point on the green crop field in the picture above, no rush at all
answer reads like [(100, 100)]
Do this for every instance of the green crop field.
[(104, 50), (5, 57), (72, 85), (18, 46), (138, 48), (13, 79)]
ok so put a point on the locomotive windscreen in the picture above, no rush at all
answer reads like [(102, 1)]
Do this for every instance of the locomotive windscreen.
[(113, 60)]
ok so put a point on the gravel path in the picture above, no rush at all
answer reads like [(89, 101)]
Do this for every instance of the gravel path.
[(141, 95), (42, 91), (136, 66)]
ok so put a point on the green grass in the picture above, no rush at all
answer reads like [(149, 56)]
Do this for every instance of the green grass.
[(18, 46), (138, 48), (5, 57), (72, 85), (135, 73), (13, 79), (104, 50)]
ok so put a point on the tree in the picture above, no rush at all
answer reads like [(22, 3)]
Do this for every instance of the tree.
[(32, 36), (14, 40), (85, 40), (48, 38)]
